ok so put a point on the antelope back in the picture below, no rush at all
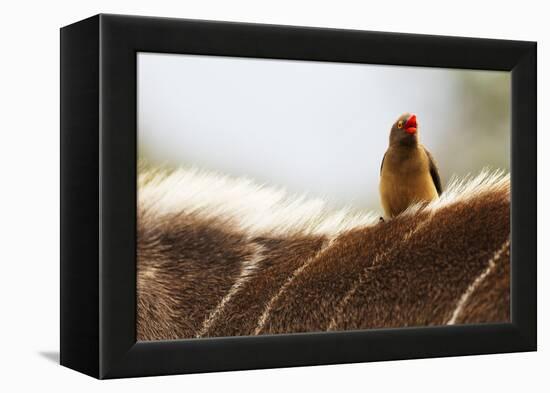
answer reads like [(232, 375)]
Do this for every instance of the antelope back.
[(224, 257)]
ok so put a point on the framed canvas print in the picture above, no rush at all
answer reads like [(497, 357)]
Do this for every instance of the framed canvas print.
[(238, 196)]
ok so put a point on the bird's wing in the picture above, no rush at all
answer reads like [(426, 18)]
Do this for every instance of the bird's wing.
[(382, 164), (434, 172)]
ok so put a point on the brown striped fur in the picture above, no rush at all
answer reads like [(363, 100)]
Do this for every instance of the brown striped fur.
[(203, 271)]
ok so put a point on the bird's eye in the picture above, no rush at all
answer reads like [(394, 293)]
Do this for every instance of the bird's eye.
[(400, 124)]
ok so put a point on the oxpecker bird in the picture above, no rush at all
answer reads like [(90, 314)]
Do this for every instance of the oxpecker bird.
[(408, 173)]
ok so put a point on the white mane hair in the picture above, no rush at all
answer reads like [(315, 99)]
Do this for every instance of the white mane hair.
[(260, 210), (466, 188)]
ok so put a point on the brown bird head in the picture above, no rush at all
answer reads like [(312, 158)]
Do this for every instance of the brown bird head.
[(405, 130)]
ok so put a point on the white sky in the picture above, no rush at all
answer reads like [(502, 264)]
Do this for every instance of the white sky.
[(312, 127)]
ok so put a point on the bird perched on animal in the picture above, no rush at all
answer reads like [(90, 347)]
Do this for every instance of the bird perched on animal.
[(408, 173)]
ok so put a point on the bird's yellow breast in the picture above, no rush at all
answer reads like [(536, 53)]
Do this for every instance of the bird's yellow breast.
[(405, 179)]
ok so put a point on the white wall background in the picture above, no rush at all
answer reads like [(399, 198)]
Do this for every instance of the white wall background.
[(29, 154)]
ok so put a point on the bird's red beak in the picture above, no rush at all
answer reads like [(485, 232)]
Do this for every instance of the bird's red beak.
[(410, 125)]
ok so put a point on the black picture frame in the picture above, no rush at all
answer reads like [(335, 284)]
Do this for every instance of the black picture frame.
[(98, 195)]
